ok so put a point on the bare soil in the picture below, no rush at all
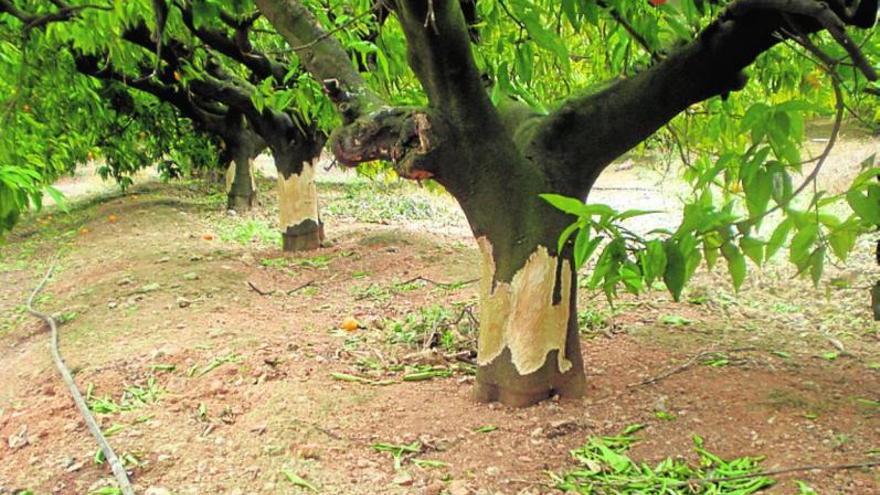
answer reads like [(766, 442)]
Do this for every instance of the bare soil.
[(148, 288)]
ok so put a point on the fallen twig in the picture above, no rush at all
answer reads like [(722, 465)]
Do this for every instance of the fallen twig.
[(301, 287), (290, 292), (258, 291), (319, 428), (467, 311), (444, 285), (687, 364)]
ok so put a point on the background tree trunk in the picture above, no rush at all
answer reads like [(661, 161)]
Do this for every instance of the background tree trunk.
[(241, 187)]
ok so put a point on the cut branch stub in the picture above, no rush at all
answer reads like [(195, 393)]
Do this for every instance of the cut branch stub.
[(411, 139)]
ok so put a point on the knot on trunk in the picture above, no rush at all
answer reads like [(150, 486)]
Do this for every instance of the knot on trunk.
[(409, 138)]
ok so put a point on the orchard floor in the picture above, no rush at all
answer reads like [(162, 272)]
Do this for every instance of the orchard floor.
[(238, 389)]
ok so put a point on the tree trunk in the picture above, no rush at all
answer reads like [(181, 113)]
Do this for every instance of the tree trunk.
[(301, 226), (529, 347), (241, 188)]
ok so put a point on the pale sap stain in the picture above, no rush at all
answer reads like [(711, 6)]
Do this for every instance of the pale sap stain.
[(298, 197), (520, 315)]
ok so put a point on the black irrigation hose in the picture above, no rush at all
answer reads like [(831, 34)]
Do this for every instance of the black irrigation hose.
[(94, 429)]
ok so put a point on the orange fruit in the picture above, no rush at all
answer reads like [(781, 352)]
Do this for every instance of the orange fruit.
[(208, 237), (112, 219), (349, 324)]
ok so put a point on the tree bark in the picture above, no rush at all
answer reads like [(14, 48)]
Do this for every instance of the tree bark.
[(241, 188), (529, 347), (301, 225), (299, 214)]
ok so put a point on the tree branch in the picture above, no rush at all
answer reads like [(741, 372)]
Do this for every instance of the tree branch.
[(258, 63), (210, 122), (65, 13), (321, 54), (439, 52), (590, 130), (635, 35)]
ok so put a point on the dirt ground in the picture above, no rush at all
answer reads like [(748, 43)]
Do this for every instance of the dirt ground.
[(216, 355)]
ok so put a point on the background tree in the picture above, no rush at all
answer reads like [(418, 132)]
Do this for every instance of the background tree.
[(212, 74), (45, 132)]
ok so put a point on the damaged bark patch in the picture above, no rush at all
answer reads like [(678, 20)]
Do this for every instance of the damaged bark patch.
[(404, 136), (520, 315), (301, 227), (298, 197)]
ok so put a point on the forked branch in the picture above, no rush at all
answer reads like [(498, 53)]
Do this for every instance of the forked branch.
[(589, 131)]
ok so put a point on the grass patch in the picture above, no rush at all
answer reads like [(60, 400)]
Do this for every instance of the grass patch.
[(377, 202), (592, 321), (449, 329), (248, 231)]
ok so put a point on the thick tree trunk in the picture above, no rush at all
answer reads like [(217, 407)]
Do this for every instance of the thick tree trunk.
[(241, 187), (529, 348), (301, 226)]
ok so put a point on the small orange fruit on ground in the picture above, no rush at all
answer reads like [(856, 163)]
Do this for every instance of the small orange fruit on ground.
[(349, 324), (112, 219), (83, 231), (208, 237)]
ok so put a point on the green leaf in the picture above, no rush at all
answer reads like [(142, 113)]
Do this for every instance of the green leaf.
[(563, 237), (566, 204), (584, 247), (58, 197), (736, 264), (866, 176), (634, 213), (817, 265), (655, 260), (568, 7), (676, 270), (619, 463), (523, 62), (298, 480), (546, 39), (777, 239), (799, 252), (864, 207), (843, 239), (753, 248), (758, 191), (782, 186)]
